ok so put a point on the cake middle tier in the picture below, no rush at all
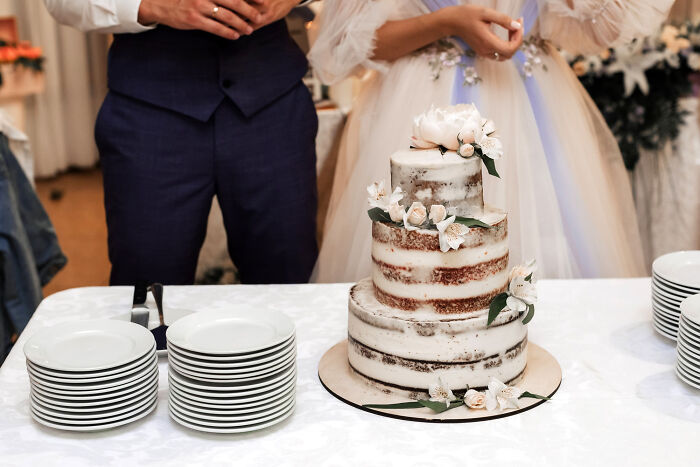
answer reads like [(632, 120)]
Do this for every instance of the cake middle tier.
[(410, 272)]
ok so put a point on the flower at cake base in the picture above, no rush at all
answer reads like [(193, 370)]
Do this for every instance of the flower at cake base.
[(378, 198), (415, 216), (451, 235), (475, 399), (396, 212), (500, 395), (441, 392), (438, 213)]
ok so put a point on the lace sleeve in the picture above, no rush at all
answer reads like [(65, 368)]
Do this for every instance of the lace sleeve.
[(346, 36), (593, 25)]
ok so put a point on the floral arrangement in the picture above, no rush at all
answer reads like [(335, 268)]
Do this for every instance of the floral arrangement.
[(520, 296), (498, 395), (459, 128), (21, 54), (652, 74)]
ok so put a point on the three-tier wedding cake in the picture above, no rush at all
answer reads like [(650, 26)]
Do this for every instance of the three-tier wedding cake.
[(439, 264)]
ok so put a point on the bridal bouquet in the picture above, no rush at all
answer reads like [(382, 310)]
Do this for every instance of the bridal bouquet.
[(652, 74)]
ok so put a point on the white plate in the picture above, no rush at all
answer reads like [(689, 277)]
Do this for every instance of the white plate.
[(680, 267), (667, 301), (91, 406), (664, 311), (231, 386), (689, 338), (668, 294), (244, 429), (113, 372), (222, 332), (99, 421), (176, 381), (670, 285), (690, 362), (663, 331), (688, 353), (687, 379), (96, 399), (690, 329), (689, 324), (668, 322), (139, 374), (191, 411), (102, 392), (236, 401), (240, 364), (220, 376), (88, 345), (97, 379), (209, 421), (95, 427), (690, 308), (234, 409), (689, 370), (241, 357), (46, 411)]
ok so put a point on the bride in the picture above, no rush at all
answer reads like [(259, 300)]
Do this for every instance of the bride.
[(563, 182)]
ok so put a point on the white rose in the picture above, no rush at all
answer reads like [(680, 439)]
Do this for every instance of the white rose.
[(443, 126), (466, 150), (438, 213), (415, 216), (396, 212), (475, 399)]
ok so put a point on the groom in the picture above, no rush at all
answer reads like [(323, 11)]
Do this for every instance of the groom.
[(205, 98)]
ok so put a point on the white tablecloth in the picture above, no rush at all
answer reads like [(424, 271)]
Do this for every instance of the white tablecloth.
[(619, 404)]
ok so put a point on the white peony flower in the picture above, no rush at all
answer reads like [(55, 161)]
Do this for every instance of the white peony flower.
[(500, 395), (438, 213), (466, 150), (377, 196), (475, 399), (451, 235), (443, 126), (415, 216), (440, 392), (396, 212), (491, 146)]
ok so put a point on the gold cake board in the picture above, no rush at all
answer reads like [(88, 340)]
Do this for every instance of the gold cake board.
[(542, 376)]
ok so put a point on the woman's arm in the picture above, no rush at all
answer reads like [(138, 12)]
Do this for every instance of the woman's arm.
[(470, 22)]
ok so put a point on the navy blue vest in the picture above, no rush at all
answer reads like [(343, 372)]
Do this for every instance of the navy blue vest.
[(191, 72)]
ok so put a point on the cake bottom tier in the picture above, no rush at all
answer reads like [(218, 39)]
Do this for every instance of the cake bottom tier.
[(410, 351)]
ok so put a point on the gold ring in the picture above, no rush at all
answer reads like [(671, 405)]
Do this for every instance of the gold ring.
[(214, 11)]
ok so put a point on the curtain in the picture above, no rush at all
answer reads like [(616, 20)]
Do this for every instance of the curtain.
[(60, 121)]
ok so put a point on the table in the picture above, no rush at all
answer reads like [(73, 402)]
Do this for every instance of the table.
[(619, 404)]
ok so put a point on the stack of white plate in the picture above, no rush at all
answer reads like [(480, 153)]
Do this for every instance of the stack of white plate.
[(688, 347), (675, 277), (232, 371), (92, 375)]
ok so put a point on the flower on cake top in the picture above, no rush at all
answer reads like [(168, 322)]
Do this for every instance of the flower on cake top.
[(521, 290), (378, 196), (415, 216), (500, 395), (441, 392), (450, 234), (396, 212)]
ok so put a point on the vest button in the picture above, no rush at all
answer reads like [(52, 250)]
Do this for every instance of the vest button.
[(226, 83)]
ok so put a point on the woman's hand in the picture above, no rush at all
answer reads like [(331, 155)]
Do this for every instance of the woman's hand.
[(473, 24)]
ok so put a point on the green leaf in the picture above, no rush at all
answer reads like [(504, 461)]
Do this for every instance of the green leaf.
[(530, 314), (439, 407), (471, 222), (402, 405), (442, 149), (490, 164), (533, 396), (497, 305), (379, 215), (528, 278)]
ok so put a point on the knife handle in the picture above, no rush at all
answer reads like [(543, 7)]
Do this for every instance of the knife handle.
[(140, 292)]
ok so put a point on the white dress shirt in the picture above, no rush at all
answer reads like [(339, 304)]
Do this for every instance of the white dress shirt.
[(108, 16)]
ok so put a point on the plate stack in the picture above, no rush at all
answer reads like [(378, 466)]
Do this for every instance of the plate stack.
[(675, 277), (688, 347), (92, 375), (231, 371)]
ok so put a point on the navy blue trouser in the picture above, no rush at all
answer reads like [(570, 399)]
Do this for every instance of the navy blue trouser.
[(161, 170)]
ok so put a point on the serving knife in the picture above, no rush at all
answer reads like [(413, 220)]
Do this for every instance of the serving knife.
[(139, 311)]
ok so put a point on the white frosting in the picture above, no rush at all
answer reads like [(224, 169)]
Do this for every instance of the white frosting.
[(433, 291), (433, 259)]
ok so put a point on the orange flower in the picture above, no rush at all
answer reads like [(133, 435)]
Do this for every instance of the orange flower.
[(8, 54), (31, 53)]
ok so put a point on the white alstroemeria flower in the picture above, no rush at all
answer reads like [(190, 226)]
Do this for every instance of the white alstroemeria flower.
[(502, 396), (442, 126), (441, 392), (396, 212), (524, 270), (438, 213), (415, 216), (633, 64), (521, 293), (491, 147), (451, 235), (466, 150), (487, 126), (475, 399), (378, 198)]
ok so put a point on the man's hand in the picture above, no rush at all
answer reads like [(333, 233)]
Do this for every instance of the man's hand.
[(229, 19), (273, 10)]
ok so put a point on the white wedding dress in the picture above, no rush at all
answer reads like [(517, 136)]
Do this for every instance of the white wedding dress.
[(563, 182)]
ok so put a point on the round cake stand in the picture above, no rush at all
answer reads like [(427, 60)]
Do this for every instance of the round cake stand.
[(542, 376)]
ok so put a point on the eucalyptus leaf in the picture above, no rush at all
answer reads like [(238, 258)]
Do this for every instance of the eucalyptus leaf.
[(533, 396), (379, 215), (497, 305), (401, 405), (530, 314), (490, 164), (439, 407), (471, 222), (442, 149), (528, 278)]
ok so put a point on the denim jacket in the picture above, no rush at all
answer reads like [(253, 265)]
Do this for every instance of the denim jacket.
[(29, 253)]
